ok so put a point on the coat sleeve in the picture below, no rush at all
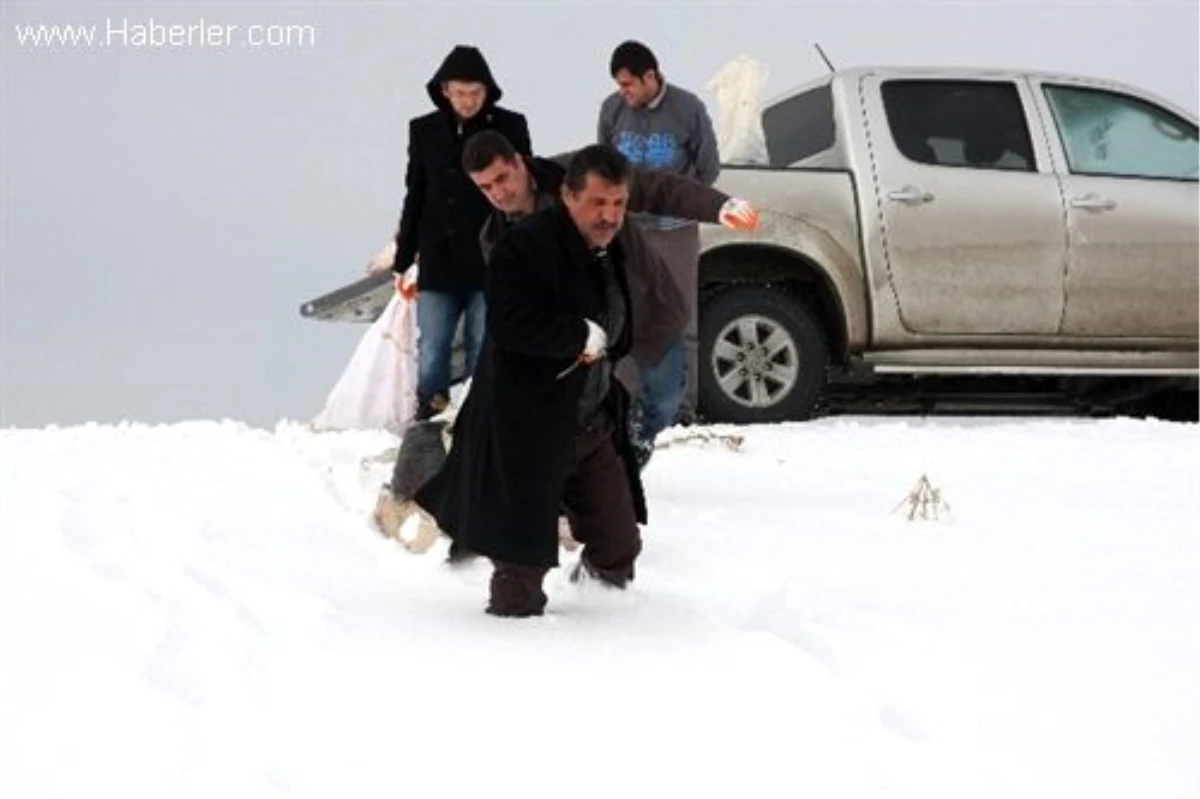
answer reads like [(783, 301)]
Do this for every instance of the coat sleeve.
[(668, 194), (414, 203), (705, 158), (656, 299), (520, 300)]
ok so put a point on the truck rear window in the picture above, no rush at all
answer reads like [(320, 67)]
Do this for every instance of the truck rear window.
[(799, 127)]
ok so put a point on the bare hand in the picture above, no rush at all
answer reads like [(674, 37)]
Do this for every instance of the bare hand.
[(383, 259)]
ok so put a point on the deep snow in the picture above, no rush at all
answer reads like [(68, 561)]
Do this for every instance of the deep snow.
[(202, 609)]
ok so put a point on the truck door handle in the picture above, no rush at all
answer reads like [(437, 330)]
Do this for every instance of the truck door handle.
[(910, 195), (1093, 202)]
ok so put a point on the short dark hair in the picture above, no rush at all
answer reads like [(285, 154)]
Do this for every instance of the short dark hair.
[(484, 147), (602, 160), (633, 56)]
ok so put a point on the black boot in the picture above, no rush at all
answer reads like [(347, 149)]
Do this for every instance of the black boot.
[(614, 578), (516, 591), (431, 407)]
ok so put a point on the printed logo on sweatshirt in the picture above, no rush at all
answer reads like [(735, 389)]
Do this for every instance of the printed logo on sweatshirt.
[(653, 151)]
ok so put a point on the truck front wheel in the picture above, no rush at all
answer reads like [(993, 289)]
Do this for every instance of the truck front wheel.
[(763, 356)]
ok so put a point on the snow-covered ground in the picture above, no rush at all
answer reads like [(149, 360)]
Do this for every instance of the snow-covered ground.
[(202, 609)]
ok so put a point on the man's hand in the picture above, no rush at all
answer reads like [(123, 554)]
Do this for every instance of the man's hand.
[(406, 284), (738, 215), (593, 348), (383, 259)]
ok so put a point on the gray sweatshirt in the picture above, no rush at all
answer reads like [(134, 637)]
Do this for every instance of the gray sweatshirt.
[(672, 134)]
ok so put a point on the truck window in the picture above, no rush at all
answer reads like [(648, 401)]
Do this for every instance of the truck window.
[(1104, 133), (799, 127), (959, 123)]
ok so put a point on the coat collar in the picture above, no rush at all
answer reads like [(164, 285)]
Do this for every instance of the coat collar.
[(548, 176), (576, 245)]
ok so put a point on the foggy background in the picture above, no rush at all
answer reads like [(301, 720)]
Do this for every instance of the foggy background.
[(164, 211)]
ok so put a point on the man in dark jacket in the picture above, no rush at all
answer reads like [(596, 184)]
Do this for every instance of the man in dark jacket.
[(518, 185), (543, 423), (443, 212)]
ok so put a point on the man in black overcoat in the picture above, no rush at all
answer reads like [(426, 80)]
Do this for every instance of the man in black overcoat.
[(544, 422)]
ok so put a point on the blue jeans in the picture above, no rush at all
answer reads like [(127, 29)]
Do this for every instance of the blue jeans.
[(437, 318), (663, 387)]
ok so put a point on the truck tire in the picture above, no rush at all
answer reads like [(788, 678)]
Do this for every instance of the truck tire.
[(763, 356)]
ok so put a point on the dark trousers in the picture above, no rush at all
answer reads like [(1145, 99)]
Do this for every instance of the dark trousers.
[(599, 506)]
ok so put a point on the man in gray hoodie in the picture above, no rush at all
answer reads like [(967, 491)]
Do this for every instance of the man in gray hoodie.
[(659, 126)]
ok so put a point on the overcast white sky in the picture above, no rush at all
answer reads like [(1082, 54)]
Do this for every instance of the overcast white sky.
[(166, 210)]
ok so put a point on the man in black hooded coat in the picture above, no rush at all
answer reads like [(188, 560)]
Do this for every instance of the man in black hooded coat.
[(443, 212)]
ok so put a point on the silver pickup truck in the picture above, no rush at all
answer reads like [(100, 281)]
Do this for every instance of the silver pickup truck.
[(947, 222)]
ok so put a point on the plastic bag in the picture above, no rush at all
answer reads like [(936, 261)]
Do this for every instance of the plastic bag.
[(378, 388), (740, 90)]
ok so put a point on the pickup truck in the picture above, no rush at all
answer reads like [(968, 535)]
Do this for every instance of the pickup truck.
[(921, 222)]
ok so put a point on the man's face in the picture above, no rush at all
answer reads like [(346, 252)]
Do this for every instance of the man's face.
[(637, 91), (505, 184), (598, 209), (465, 97)]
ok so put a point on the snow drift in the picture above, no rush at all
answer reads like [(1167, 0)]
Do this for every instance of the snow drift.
[(201, 609)]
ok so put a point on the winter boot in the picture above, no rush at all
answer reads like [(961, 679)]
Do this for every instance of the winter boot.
[(516, 591), (614, 578), (428, 409)]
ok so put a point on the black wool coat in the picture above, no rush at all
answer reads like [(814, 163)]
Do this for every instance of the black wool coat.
[(498, 493), (443, 210)]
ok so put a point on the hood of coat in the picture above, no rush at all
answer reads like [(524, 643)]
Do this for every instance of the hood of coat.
[(464, 63)]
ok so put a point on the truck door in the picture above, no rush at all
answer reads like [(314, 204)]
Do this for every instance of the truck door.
[(973, 234), (1129, 177)]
